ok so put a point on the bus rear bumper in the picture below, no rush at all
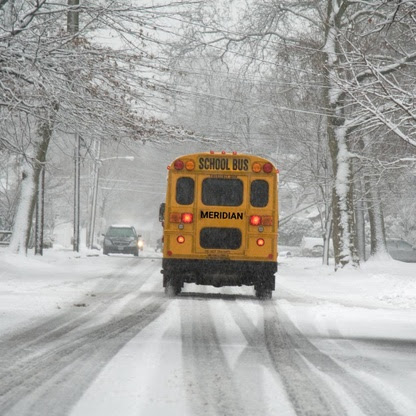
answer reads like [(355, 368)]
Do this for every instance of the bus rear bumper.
[(220, 272)]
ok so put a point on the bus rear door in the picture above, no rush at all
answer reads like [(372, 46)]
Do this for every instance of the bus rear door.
[(220, 225)]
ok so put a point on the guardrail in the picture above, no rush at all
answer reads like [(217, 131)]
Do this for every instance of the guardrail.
[(5, 237)]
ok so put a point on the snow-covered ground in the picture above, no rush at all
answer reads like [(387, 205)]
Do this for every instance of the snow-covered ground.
[(154, 372), (33, 286)]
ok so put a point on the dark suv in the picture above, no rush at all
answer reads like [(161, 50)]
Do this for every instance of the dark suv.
[(121, 239)]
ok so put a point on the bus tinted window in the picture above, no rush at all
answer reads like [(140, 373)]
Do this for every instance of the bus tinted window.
[(259, 193), (185, 191), (222, 192)]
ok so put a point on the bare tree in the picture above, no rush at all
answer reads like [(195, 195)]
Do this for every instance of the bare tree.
[(360, 53), (53, 80)]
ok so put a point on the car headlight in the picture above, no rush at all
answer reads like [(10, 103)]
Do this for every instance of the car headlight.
[(107, 242), (140, 244)]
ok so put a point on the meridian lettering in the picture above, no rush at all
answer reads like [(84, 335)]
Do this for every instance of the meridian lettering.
[(222, 215)]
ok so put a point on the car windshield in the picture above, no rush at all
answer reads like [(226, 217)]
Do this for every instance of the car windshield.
[(121, 232)]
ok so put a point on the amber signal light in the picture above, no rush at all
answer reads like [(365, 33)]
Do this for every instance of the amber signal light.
[(190, 165), (180, 239)]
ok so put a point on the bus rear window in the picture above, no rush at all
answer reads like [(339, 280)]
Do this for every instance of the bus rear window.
[(220, 238), (185, 191), (259, 193), (222, 192)]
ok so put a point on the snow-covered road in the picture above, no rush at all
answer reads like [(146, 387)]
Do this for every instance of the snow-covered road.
[(116, 345)]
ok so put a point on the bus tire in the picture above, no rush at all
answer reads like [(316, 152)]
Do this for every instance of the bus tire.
[(263, 293), (264, 288), (173, 286)]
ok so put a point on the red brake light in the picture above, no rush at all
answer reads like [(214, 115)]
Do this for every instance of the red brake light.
[(180, 239), (187, 218), (178, 164), (267, 168), (260, 242), (255, 220)]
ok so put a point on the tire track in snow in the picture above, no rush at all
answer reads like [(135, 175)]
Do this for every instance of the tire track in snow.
[(19, 344), (309, 393), (256, 356), (209, 381), (62, 363)]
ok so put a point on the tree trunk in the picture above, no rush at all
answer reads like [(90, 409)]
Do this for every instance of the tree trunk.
[(342, 201), (360, 221), (23, 218), (29, 189), (327, 237), (375, 213)]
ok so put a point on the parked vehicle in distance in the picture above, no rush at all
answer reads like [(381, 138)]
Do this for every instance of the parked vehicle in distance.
[(314, 247), (140, 244), (401, 250), (159, 245), (121, 239)]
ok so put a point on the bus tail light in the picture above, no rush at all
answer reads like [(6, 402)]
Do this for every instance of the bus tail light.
[(260, 242), (184, 217), (180, 239), (187, 218), (261, 220), (255, 220)]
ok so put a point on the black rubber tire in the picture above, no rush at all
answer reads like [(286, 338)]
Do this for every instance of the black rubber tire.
[(173, 286), (264, 287), (264, 294)]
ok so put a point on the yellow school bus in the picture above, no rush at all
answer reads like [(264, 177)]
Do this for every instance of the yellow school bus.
[(220, 222)]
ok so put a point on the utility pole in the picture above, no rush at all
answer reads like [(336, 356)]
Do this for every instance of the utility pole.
[(40, 213), (77, 162), (73, 28), (94, 196)]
